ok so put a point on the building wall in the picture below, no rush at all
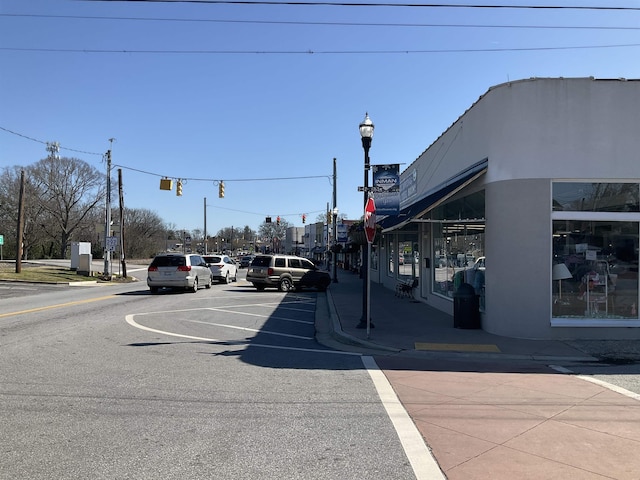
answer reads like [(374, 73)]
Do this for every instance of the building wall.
[(533, 132)]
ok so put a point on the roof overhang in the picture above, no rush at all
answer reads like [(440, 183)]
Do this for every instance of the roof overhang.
[(437, 196)]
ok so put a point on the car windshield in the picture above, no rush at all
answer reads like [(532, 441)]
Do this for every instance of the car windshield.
[(212, 259), (169, 261)]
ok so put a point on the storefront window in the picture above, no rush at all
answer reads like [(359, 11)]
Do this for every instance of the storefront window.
[(458, 245), (458, 250), (404, 255), (596, 197), (595, 269)]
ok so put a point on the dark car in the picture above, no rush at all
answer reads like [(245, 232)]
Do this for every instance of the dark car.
[(246, 260), (286, 273)]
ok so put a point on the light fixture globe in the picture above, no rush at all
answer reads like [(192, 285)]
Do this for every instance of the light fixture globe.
[(366, 127)]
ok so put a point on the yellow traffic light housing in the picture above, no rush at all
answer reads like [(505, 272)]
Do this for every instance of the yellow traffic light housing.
[(166, 184), (179, 188), (221, 189)]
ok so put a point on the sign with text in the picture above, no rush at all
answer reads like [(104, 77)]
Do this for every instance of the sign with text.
[(386, 188)]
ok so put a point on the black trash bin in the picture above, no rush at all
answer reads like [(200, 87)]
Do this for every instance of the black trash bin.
[(466, 307)]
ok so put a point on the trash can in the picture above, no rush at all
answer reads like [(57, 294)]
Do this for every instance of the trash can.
[(466, 307)]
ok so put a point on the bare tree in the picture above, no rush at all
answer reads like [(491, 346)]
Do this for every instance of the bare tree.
[(146, 233), (68, 189)]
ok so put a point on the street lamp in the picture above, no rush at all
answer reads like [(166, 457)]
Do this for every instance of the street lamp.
[(366, 133)]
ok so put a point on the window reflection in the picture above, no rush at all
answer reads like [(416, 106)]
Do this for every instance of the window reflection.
[(596, 197), (595, 269)]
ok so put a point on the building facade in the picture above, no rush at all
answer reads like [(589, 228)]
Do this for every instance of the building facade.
[(532, 197)]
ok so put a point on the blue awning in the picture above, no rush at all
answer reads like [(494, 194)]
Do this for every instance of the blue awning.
[(438, 195)]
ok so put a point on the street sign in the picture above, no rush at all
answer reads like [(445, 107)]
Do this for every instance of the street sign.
[(370, 220), (112, 243), (1, 239)]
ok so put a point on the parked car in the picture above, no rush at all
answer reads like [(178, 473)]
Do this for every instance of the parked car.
[(178, 270), (286, 273), (246, 260), (223, 268)]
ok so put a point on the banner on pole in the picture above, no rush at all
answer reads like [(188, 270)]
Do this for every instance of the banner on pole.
[(386, 188)]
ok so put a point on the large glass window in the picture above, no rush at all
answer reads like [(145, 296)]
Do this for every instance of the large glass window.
[(596, 197), (404, 255), (595, 269), (458, 249), (458, 245)]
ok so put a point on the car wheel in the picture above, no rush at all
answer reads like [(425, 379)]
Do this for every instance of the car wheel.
[(226, 278), (208, 284), (260, 288), (235, 277), (286, 285), (153, 289), (194, 289)]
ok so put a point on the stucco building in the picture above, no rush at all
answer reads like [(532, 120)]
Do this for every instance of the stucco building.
[(532, 196)]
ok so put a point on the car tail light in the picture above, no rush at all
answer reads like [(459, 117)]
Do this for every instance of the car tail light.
[(184, 268), (270, 271), (152, 269)]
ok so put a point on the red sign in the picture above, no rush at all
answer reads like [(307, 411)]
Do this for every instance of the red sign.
[(370, 220)]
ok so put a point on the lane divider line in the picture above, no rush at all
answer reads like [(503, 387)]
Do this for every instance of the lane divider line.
[(60, 305)]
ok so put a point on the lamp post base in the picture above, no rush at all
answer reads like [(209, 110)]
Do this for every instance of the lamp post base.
[(363, 324)]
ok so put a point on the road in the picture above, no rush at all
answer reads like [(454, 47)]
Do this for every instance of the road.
[(108, 381)]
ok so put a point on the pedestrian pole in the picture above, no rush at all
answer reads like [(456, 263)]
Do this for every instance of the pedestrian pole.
[(368, 307)]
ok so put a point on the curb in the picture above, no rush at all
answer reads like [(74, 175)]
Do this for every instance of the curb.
[(329, 333)]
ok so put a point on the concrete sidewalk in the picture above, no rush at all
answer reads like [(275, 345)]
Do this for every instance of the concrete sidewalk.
[(490, 407)]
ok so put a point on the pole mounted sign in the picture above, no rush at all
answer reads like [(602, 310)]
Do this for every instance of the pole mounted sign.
[(370, 220)]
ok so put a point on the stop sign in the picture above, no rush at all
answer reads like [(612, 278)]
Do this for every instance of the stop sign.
[(370, 220)]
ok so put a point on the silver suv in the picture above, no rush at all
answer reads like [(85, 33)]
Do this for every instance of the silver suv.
[(177, 270), (286, 273)]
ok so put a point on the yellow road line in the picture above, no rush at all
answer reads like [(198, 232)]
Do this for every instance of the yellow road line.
[(60, 305), (460, 347)]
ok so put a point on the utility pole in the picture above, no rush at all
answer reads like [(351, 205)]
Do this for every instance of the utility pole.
[(335, 224), (20, 225), (205, 225), (107, 223), (121, 197)]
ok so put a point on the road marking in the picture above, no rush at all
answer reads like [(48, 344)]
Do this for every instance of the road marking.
[(597, 381), (460, 347), (424, 465), (254, 330), (130, 320), (60, 305), (271, 317)]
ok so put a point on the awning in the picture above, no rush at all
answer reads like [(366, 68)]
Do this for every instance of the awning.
[(438, 195)]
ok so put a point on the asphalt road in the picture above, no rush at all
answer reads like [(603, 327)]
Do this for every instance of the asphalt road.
[(109, 381)]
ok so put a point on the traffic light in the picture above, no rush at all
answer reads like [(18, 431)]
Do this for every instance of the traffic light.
[(179, 188), (304, 218), (278, 220), (221, 189)]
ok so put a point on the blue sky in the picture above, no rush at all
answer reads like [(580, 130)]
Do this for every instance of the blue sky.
[(210, 92)]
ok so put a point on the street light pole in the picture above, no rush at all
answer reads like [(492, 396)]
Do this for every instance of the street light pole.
[(366, 133), (335, 224)]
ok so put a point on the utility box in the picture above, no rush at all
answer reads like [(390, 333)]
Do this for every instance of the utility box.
[(77, 249), (84, 267)]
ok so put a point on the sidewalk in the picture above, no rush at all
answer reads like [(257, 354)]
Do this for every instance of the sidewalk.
[(489, 407)]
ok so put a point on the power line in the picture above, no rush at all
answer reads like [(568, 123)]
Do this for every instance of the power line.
[(45, 143), (171, 176), (226, 179), (316, 52), (382, 4), (345, 24)]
